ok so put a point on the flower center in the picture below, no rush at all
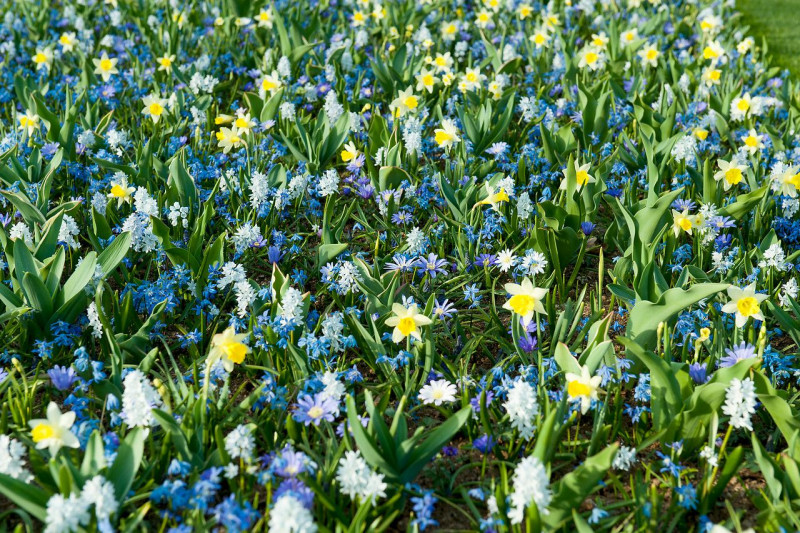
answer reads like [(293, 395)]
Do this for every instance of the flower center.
[(582, 177), (235, 351), (42, 432), (522, 304), (407, 326), (733, 175), (315, 412), (576, 388), (743, 105), (591, 58), (410, 102), (685, 223), (118, 191), (748, 306), (105, 64), (156, 109), (442, 137)]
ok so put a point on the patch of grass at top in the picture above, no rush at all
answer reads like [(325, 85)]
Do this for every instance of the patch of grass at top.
[(777, 21)]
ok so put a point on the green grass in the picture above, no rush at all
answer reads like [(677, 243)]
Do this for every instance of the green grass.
[(777, 22)]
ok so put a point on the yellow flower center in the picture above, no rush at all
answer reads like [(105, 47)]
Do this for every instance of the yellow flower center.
[(794, 181), (410, 102), (64, 39), (701, 134), (42, 432), (685, 223), (522, 304), (751, 141), (733, 175), (743, 105), (748, 306), (591, 58), (347, 155), (651, 54), (443, 137), (165, 62), (583, 177), (268, 84), (407, 326), (438, 394), (242, 123), (576, 388), (714, 75), (118, 191), (427, 80), (234, 350), (40, 58), (709, 53), (539, 39), (156, 109), (315, 412), (105, 64)]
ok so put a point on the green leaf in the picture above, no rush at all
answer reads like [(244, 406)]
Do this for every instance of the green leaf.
[(571, 490), (440, 436), (114, 253), (126, 464), (28, 497)]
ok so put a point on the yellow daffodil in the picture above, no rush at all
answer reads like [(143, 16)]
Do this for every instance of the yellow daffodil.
[(711, 76), (493, 198), (43, 58), (67, 41), (524, 11), (730, 172), (229, 348), (243, 122), (600, 40), (682, 221), (406, 322), (525, 300), (165, 62), (540, 38), (154, 107), (591, 58), (105, 67), (405, 102), (447, 135), (228, 138), (264, 18), (443, 62), (582, 388), (582, 176), (120, 191), (29, 122), (649, 56), (350, 152), (54, 432), (449, 30), (426, 81), (745, 303), (628, 37), (789, 181), (713, 51), (270, 83), (752, 142), (701, 133)]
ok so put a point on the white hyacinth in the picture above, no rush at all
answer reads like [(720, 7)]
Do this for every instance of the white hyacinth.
[(357, 480), (139, 398), (740, 403), (531, 485), (522, 407)]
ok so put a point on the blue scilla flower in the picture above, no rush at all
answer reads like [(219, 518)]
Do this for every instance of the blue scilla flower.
[(62, 377)]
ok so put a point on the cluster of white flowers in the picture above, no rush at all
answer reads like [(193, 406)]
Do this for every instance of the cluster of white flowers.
[(240, 443), (68, 231), (685, 149), (245, 295), (710, 456), (333, 109), (12, 459), (259, 189), (412, 134), (139, 398), (292, 304), (789, 292), (246, 236), (533, 263), (288, 111), (231, 275), (200, 84), (417, 242), (529, 107), (740, 403), (774, 257), (332, 328), (328, 183), (624, 458), (94, 320), (67, 514), (289, 515), (178, 215), (139, 223), (522, 407), (357, 480), (20, 230), (531, 485)]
